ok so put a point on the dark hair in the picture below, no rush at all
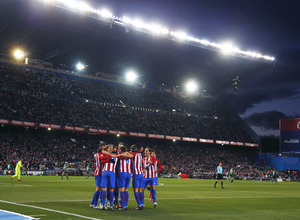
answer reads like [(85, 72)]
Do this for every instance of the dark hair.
[(123, 149), (134, 148)]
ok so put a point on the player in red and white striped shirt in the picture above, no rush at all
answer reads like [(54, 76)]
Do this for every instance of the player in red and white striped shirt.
[(138, 176), (149, 173), (157, 168), (98, 174), (124, 176), (109, 176)]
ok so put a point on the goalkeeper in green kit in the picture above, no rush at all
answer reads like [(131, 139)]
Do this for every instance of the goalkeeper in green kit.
[(18, 170), (88, 170), (65, 171)]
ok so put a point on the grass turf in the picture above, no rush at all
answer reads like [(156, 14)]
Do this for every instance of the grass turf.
[(177, 199)]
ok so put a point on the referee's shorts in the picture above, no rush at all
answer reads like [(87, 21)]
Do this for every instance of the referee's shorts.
[(219, 176)]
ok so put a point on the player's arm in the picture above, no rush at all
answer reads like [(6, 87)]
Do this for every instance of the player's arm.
[(159, 167), (105, 158), (152, 160), (126, 155)]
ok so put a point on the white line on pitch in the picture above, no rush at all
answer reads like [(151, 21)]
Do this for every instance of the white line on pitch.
[(50, 210)]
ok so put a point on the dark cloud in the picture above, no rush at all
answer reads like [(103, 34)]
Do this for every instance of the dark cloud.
[(266, 120)]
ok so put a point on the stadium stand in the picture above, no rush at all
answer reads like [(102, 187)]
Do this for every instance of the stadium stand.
[(30, 95), (47, 97)]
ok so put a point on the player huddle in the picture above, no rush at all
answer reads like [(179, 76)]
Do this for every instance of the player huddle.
[(114, 168)]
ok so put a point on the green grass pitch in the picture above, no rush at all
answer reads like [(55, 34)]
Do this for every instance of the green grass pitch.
[(52, 198)]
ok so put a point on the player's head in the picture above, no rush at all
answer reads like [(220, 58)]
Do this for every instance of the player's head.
[(123, 149), (110, 148), (148, 151), (134, 148), (66, 162), (220, 164), (101, 146), (121, 144), (114, 148), (153, 154)]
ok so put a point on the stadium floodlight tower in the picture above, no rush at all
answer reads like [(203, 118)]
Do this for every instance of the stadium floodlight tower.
[(131, 76), (191, 87)]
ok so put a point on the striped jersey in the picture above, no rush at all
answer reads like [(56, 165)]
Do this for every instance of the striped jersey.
[(149, 168), (125, 165), (99, 165), (157, 167), (137, 163), (109, 166)]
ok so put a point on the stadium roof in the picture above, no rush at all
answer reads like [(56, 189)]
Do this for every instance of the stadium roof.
[(63, 37)]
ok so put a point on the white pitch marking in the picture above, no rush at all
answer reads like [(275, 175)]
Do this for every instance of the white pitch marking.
[(26, 216), (50, 210)]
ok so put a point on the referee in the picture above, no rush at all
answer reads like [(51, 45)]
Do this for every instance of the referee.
[(219, 175)]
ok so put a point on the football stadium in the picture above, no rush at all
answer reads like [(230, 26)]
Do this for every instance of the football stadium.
[(112, 116)]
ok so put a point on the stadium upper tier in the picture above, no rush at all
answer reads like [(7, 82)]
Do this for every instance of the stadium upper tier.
[(37, 96)]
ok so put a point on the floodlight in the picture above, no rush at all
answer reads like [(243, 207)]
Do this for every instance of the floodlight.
[(80, 66), (19, 54), (191, 86), (127, 20), (105, 13), (156, 29), (227, 48), (131, 76), (138, 23), (179, 35)]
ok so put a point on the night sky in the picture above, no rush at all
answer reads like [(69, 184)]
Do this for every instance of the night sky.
[(268, 92)]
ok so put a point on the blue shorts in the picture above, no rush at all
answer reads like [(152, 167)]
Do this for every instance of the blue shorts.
[(137, 180), (155, 181), (117, 181), (108, 179), (124, 180), (98, 180), (148, 181)]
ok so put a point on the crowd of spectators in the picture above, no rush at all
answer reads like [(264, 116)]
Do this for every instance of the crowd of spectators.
[(41, 97), (46, 151)]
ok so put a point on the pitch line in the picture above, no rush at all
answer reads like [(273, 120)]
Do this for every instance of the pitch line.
[(18, 214), (50, 210)]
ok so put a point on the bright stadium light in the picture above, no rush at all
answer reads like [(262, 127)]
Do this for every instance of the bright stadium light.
[(157, 29), (127, 20), (105, 13), (137, 24), (131, 76), (227, 48), (80, 66), (19, 54), (191, 86), (179, 35)]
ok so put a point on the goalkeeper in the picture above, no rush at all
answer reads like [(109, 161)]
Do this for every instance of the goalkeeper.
[(18, 170)]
